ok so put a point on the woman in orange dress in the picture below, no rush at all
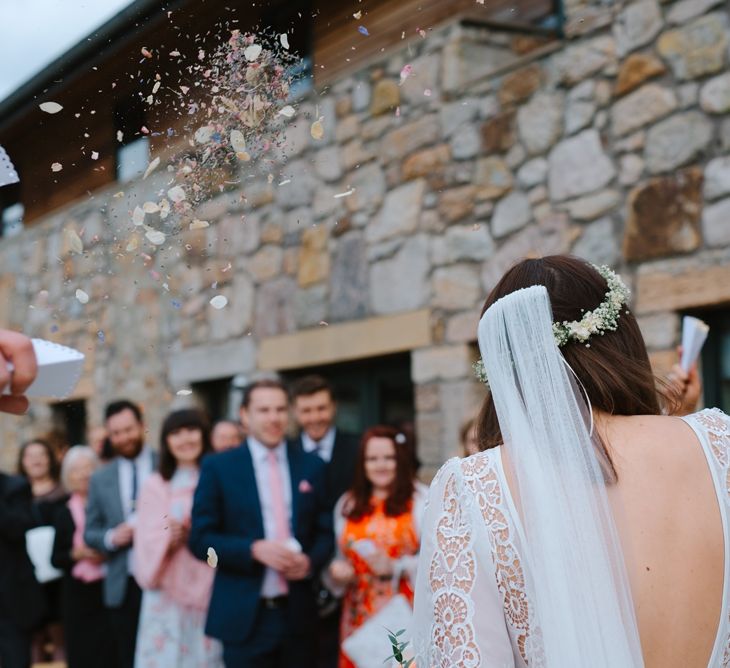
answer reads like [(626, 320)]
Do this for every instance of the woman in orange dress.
[(377, 529)]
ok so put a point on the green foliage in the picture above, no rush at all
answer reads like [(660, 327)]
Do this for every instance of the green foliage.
[(398, 649)]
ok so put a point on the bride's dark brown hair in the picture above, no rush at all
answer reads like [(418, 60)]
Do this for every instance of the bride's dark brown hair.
[(614, 370)]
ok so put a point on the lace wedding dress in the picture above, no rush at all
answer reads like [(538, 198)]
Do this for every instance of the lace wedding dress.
[(474, 596)]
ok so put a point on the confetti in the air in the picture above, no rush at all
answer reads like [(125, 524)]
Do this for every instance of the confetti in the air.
[(155, 237), (219, 302), (199, 224), (287, 111), (317, 129), (154, 164), (56, 167), (405, 73), (95, 155), (50, 107), (184, 393), (82, 296), (138, 216), (176, 194), (357, 15), (101, 336), (212, 558), (74, 241), (363, 31), (252, 52), (347, 193), (284, 39)]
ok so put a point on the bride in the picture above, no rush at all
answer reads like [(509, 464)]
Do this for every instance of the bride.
[(591, 531)]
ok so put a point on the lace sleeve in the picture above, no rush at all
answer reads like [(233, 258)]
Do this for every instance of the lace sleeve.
[(458, 613)]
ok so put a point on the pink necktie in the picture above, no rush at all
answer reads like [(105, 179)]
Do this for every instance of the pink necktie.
[(281, 521)]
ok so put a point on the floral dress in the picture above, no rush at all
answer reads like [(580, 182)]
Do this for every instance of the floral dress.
[(176, 587), (398, 538)]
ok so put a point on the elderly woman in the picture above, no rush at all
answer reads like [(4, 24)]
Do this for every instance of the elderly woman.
[(82, 610)]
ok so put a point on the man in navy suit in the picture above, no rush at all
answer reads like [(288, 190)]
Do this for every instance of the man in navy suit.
[(263, 509)]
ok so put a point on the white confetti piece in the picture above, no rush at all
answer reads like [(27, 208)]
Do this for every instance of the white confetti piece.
[(156, 87), (82, 296), (212, 558), (284, 39), (164, 209), (251, 53), (150, 207), (95, 155), (184, 393), (56, 167), (155, 237), (137, 216), (317, 129), (287, 111), (203, 135), (347, 193), (238, 141), (50, 107), (154, 164), (199, 224), (74, 241), (176, 194), (219, 302), (120, 136)]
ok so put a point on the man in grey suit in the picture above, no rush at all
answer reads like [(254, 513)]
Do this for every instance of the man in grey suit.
[(110, 518)]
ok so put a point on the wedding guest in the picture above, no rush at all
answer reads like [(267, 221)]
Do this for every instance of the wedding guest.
[(377, 531), (22, 605), (686, 387), (468, 438), (226, 434), (176, 585), (111, 517), (100, 444), (39, 465), (315, 411), (262, 509), (85, 620)]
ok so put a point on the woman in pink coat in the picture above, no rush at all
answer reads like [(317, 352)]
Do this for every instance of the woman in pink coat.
[(176, 585)]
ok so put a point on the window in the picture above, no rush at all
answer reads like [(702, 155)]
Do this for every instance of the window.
[(132, 159), (12, 210), (133, 151), (715, 360), (369, 392), (12, 219), (69, 422), (217, 398)]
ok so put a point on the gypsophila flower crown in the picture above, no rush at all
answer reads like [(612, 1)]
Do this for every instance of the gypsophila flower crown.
[(600, 320)]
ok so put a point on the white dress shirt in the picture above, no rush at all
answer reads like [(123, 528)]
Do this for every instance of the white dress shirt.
[(143, 464), (322, 448), (271, 587)]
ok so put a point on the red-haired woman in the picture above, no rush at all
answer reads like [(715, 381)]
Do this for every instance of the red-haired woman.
[(377, 529)]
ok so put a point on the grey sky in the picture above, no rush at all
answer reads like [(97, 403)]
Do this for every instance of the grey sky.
[(33, 33)]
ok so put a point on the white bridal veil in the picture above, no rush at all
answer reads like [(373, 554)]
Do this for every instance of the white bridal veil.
[(582, 612)]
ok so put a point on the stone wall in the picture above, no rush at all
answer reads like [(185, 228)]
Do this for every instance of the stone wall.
[(613, 145)]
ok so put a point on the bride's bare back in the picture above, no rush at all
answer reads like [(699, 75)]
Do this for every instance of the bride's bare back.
[(670, 526)]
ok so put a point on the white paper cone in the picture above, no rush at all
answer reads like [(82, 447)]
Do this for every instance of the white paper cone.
[(694, 335)]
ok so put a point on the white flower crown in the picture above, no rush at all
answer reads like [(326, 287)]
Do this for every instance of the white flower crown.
[(602, 319)]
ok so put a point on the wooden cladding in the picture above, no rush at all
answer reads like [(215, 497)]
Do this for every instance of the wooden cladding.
[(340, 49)]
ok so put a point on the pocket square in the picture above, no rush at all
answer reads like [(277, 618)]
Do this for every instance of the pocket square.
[(305, 487)]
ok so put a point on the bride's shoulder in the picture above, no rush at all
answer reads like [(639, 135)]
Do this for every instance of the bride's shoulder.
[(468, 467), (712, 419)]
